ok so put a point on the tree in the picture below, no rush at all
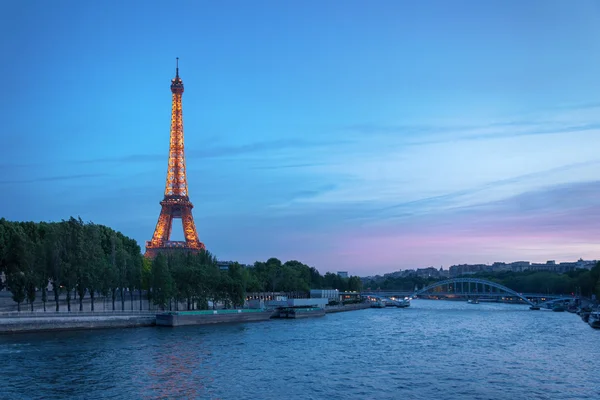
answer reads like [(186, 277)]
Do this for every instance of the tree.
[(79, 258), (133, 273), (32, 257), (162, 282), (52, 248), (41, 275), (4, 243), (273, 270), (72, 255), (17, 284), (122, 262), (114, 269), (595, 273), (354, 284), (146, 279), (96, 260), (18, 265)]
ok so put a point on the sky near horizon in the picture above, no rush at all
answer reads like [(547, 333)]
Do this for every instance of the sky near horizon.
[(349, 135)]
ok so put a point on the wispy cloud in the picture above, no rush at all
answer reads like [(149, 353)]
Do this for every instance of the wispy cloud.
[(452, 199), (289, 166), (313, 192), (551, 223), (211, 151), (419, 135), (52, 178)]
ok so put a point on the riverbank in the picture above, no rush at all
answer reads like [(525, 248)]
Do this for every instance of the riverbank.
[(44, 322), (23, 322)]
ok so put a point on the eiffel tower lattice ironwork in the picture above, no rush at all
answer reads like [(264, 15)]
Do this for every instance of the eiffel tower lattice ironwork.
[(176, 203)]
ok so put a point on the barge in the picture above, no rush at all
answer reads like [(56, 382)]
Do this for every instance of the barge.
[(299, 312), (298, 308), (594, 320), (204, 317)]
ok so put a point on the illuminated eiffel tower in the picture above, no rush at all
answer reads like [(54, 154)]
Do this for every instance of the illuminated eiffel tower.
[(176, 203)]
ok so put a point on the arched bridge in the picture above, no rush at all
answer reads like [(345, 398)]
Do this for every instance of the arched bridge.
[(475, 287)]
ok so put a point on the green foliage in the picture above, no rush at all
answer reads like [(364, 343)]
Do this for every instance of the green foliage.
[(17, 284), (162, 283), (71, 255), (595, 273), (578, 281), (4, 241), (85, 259)]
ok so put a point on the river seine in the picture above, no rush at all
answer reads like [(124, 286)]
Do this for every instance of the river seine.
[(432, 350)]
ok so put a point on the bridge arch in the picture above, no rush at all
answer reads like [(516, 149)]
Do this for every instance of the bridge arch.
[(476, 281)]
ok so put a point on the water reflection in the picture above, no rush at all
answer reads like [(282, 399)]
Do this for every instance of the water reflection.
[(432, 350)]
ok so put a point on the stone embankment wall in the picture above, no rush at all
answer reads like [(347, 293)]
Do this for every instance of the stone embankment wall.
[(14, 322), (36, 322)]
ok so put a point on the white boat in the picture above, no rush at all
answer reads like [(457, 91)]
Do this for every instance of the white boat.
[(403, 303), (378, 304), (594, 319)]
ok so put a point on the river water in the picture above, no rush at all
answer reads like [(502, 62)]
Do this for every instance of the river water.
[(432, 350)]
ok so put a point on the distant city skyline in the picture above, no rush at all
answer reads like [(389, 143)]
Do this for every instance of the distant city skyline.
[(498, 266), (360, 137)]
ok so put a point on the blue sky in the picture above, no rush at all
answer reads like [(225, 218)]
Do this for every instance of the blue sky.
[(359, 136)]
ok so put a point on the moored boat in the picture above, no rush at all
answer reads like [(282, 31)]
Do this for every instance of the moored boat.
[(299, 312), (378, 304), (584, 313), (203, 317), (585, 316), (594, 319), (404, 303)]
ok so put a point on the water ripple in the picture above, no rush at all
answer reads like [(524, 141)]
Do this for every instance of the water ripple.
[(445, 350)]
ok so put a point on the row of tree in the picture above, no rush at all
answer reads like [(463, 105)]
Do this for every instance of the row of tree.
[(196, 279), (293, 276), (75, 258), (580, 281), (406, 283), (84, 260)]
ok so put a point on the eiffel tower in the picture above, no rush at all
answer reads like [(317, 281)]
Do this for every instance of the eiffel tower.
[(176, 203)]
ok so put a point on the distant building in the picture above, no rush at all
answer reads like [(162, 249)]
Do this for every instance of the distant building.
[(343, 274), (429, 272), (443, 274), (331, 294), (224, 265), (468, 269), (471, 269), (519, 266)]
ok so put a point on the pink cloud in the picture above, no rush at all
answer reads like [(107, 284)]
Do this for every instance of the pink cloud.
[(505, 231)]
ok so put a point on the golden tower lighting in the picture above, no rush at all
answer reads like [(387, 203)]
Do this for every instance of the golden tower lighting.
[(176, 203)]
